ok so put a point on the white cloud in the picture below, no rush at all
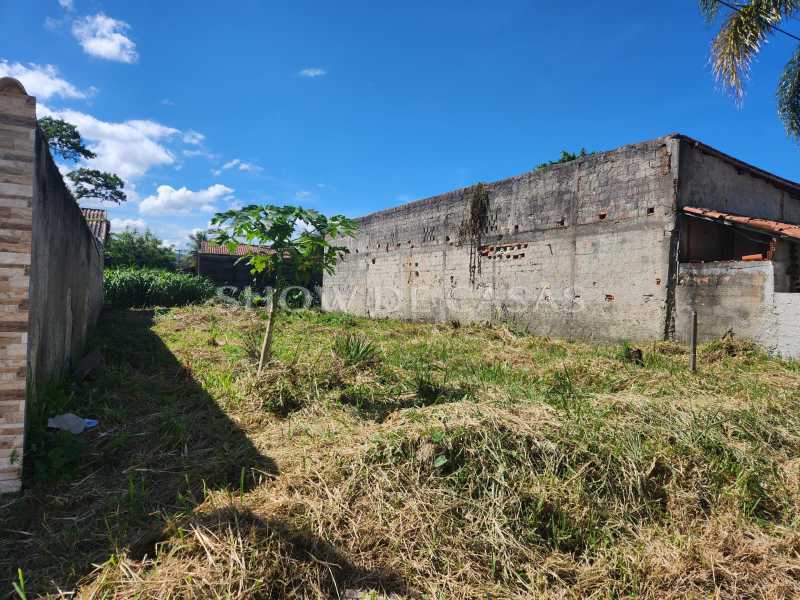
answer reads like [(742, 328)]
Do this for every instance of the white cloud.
[(312, 72), (67, 4), (41, 81), (167, 102), (196, 153), (302, 195), (193, 137), (183, 201), (129, 148), (237, 163), (128, 225), (101, 36)]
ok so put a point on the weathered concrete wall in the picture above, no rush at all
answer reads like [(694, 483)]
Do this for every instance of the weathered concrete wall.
[(709, 181), (66, 289), (51, 270), (17, 126), (726, 295), (579, 249), (738, 297), (782, 330)]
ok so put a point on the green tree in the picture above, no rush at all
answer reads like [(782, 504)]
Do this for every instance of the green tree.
[(65, 140), (746, 28), (196, 240), (300, 241), (134, 249), (91, 183)]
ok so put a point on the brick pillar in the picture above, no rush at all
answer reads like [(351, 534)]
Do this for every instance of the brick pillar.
[(17, 142)]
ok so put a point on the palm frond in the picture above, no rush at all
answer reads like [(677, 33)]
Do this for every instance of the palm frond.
[(709, 8), (789, 96), (741, 37), (736, 44)]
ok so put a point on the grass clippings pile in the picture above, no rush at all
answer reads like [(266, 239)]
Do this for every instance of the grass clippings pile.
[(389, 459)]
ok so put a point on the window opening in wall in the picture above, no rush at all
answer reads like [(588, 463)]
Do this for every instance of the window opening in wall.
[(787, 266), (704, 240)]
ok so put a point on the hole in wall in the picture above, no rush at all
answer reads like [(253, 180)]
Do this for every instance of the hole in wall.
[(609, 297), (602, 216), (516, 228), (562, 221), (651, 210), (373, 261)]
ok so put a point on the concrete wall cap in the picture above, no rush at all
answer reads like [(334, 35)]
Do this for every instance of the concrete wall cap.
[(12, 87)]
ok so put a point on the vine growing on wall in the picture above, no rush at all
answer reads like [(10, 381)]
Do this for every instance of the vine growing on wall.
[(474, 226)]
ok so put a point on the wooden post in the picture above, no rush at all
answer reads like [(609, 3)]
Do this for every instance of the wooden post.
[(694, 341)]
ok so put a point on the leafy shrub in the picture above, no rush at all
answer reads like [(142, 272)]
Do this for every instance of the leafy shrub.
[(134, 249), (138, 288)]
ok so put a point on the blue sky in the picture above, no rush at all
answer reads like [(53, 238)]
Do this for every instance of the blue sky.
[(351, 107)]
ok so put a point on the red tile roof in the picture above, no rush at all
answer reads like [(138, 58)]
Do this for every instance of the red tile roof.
[(774, 228), (98, 223), (210, 247)]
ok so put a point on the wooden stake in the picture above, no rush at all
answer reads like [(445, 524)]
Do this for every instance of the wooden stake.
[(266, 346), (694, 341)]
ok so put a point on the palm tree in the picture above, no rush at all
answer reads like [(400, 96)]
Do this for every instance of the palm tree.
[(196, 240), (746, 28)]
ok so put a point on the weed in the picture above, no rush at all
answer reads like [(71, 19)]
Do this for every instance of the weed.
[(356, 350), (464, 462)]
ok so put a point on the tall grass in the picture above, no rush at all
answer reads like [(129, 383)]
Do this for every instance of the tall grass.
[(140, 288), (447, 462)]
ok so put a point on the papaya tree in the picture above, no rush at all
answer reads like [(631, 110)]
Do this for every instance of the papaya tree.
[(292, 243)]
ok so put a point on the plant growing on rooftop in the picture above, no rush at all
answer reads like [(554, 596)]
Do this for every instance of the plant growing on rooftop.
[(566, 156), (299, 241)]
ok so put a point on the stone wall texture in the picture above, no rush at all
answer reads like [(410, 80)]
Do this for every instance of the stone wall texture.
[(579, 249), (51, 270)]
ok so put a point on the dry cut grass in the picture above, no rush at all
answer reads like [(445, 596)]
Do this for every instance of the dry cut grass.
[(405, 460)]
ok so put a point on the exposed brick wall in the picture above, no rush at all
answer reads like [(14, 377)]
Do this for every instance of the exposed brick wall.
[(17, 138), (573, 250), (51, 273)]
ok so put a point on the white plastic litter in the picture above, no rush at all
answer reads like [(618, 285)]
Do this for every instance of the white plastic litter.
[(70, 422)]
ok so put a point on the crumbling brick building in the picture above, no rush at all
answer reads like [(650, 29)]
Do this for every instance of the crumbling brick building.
[(616, 245)]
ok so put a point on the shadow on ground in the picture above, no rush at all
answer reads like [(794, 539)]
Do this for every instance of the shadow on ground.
[(162, 442), (282, 561)]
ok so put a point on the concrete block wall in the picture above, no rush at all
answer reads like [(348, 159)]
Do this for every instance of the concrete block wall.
[(727, 295), (579, 249), (17, 139), (782, 330), (710, 179), (51, 273), (739, 297), (66, 288)]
